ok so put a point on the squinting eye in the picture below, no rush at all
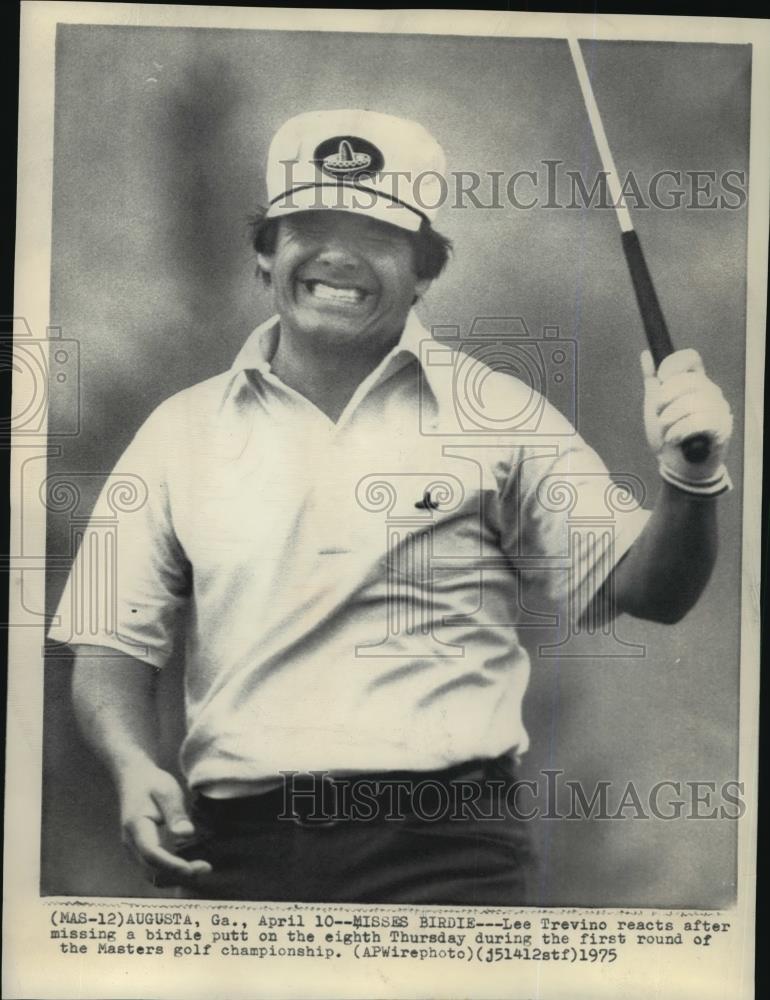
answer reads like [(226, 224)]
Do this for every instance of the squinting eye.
[(385, 243), (305, 231)]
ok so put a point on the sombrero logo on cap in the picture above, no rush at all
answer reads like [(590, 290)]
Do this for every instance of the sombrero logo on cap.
[(348, 158), (321, 160)]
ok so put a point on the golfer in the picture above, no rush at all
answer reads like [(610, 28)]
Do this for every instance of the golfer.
[(346, 558)]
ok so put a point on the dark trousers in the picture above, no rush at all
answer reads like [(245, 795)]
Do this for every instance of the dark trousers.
[(445, 838)]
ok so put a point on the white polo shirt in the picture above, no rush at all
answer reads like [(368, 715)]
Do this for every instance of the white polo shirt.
[(352, 591)]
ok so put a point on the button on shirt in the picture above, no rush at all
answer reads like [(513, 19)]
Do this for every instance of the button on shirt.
[(352, 590)]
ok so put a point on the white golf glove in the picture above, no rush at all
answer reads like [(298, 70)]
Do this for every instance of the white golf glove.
[(680, 400)]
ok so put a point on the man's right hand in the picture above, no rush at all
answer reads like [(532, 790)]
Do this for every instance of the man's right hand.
[(154, 822)]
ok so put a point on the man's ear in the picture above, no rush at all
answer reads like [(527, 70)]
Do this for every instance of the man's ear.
[(420, 288), (265, 263)]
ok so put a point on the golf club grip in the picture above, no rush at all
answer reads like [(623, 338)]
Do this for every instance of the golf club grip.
[(696, 449)]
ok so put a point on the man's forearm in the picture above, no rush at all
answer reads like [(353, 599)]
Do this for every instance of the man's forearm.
[(666, 570), (115, 703), (114, 698)]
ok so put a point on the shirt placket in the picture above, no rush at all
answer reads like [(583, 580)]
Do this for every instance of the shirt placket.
[(328, 506)]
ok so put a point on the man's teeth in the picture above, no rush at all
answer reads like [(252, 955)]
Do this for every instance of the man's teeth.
[(331, 294)]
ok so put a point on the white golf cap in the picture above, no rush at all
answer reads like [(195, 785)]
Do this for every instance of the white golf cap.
[(388, 168)]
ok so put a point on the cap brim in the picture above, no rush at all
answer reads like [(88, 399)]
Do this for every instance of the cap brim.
[(346, 198)]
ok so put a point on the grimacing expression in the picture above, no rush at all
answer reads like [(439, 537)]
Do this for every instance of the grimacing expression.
[(342, 276)]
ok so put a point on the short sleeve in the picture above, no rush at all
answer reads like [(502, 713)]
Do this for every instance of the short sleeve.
[(130, 577), (566, 522)]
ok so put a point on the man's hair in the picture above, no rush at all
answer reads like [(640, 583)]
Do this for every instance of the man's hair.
[(431, 248)]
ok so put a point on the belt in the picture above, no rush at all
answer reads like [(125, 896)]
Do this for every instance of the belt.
[(318, 799)]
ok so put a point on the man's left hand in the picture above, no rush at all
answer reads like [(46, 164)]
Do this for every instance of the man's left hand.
[(680, 400)]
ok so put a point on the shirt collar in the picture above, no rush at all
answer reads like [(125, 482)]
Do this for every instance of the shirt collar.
[(259, 348), (256, 354)]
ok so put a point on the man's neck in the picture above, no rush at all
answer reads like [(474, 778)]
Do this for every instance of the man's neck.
[(326, 375)]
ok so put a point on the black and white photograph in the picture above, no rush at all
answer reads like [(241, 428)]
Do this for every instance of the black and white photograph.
[(387, 445)]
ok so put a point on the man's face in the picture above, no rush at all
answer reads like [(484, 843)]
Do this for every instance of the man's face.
[(342, 277)]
